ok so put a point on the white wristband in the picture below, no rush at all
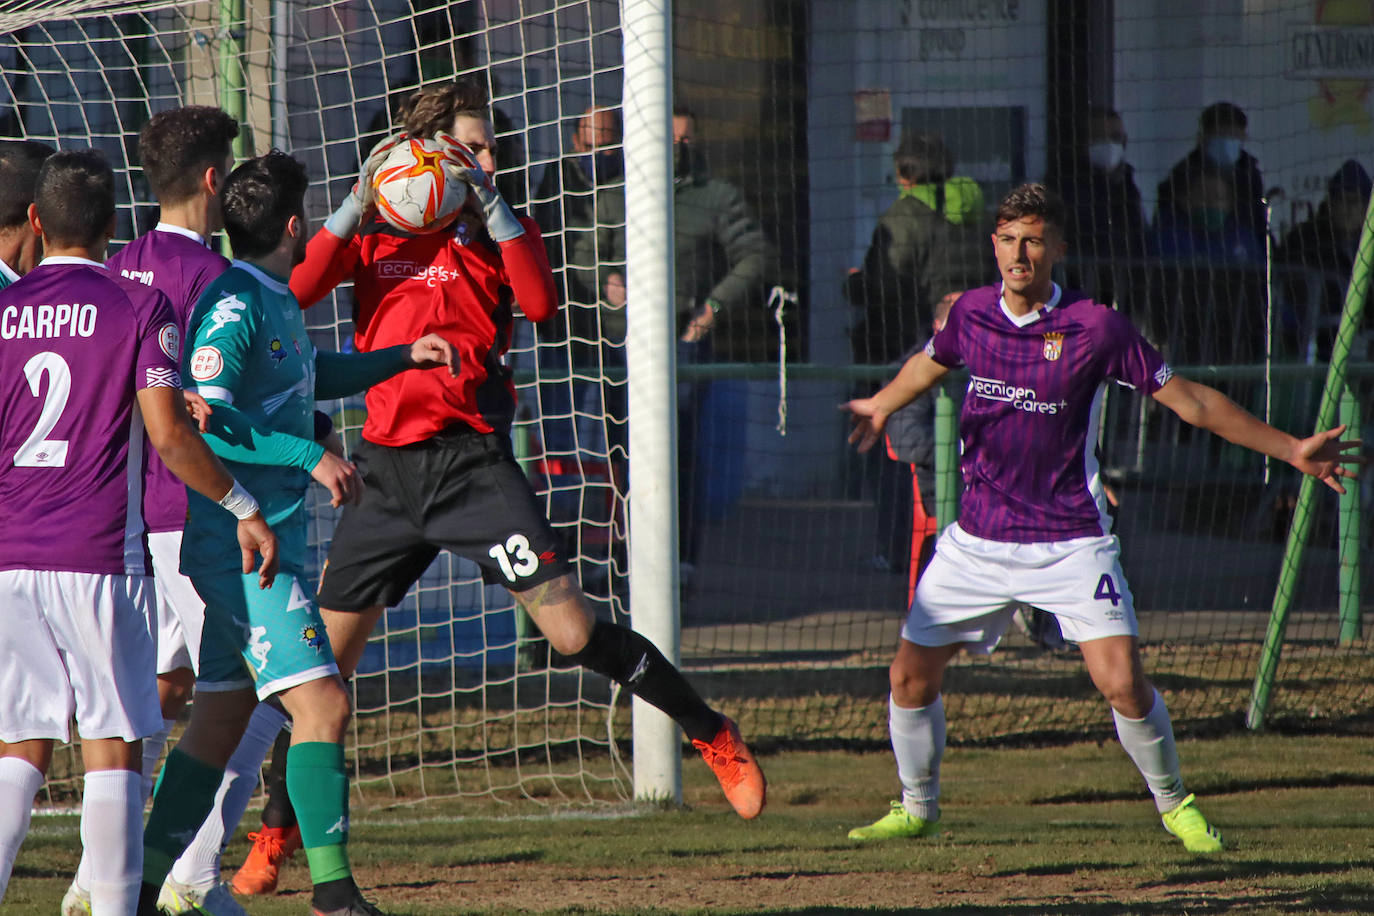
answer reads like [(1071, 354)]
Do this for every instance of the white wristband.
[(240, 502)]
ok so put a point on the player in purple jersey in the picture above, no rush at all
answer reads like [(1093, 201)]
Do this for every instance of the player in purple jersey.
[(88, 361), (186, 154), (1033, 523), (19, 244)]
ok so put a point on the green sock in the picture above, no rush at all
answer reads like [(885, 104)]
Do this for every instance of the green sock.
[(185, 794), (318, 787)]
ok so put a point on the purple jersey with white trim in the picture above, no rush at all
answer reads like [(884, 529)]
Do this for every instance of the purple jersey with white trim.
[(1030, 416), (76, 343), (176, 262)]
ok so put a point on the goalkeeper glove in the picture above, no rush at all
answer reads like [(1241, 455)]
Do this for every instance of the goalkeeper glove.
[(500, 219), (360, 201)]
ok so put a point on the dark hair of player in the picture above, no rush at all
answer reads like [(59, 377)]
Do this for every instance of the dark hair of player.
[(178, 145), (259, 199), (19, 164), (1032, 200), (75, 197), (431, 110), (923, 158), (1221, 116), (684, 111)]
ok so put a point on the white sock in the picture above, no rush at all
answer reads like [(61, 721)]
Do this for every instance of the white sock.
[(918, 741), (199, 864), (1149, 742), (19, 783), (112, 830), (153, 746)]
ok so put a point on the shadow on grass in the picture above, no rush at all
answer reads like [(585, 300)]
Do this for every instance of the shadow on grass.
[(1222, 871), (1220, 787), (1341, 899)]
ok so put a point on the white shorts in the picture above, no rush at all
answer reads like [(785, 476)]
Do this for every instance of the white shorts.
[(972, 585), (76, 643), (179, 614)]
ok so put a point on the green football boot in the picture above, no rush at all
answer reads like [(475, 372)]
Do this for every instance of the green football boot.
[(896, 823), (1187, 823)]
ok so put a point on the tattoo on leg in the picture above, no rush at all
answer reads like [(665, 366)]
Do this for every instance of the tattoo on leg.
[(555, 591)]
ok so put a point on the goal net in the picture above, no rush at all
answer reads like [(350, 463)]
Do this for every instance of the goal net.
[(796, 551)]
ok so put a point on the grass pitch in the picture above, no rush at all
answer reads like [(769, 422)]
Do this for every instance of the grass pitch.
[(1025, 830)]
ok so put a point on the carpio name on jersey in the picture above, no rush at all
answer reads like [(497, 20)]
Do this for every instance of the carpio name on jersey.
[(67, 319)]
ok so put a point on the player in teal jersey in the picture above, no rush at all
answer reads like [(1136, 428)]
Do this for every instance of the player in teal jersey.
[(20, 246), (250, 357)]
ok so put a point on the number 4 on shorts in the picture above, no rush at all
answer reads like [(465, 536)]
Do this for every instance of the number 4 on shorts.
[(1106, 590)]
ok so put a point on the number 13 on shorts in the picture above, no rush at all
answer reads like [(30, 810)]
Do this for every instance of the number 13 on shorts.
[(516, 558)]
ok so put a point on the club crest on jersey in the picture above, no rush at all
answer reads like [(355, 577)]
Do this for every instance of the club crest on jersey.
[(312, 637), (276, 351), (1054, 345)]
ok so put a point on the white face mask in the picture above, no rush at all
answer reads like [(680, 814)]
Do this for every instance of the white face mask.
[(1223, 150), (1106, 155)]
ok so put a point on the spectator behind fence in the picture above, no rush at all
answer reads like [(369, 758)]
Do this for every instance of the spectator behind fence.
[(577, 195), (1326, 242), (906, 483), (1203, 225), (927, 243), (1211, 293), (567, 197), (1098, 185), (1220, 150), (723, 262)]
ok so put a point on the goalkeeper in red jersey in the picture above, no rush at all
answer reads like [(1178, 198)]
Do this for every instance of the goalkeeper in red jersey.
[(436, 455)]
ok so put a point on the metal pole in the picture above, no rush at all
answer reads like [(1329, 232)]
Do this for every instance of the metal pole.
[(651, 359), (1351, 316), (1350, 531), (281, 41), (232, 87), (946, 460)]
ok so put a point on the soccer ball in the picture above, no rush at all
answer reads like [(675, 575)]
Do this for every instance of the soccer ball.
[(414, 192)]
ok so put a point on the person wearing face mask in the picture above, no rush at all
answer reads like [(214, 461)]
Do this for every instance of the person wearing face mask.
[(723, 262), (576, 194), (1212, 300), (566, 199), (1328, 241), (1220, 150), (1098, 186), (1204, 225)]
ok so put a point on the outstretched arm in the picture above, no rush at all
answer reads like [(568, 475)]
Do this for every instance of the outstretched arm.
[(916, 377), (1322, 455), (338, 375), (182, 449)]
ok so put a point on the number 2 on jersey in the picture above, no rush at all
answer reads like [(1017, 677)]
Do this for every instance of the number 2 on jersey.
[(38, 451), (1106, 590)]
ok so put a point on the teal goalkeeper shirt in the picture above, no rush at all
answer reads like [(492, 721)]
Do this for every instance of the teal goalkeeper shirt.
[(248, 351)]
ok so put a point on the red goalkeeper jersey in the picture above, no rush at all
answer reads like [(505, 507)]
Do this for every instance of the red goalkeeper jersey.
[(407, 286)]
